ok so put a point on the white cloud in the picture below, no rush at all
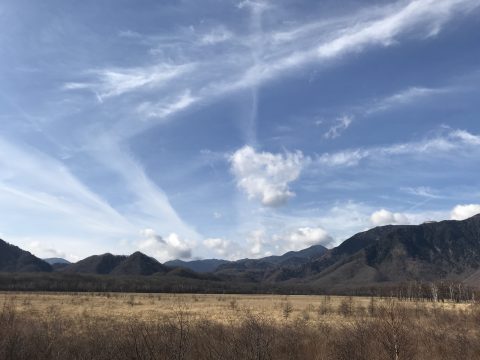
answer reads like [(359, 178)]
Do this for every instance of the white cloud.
[(76, 86), (384, 29), (165, 248), (385, 217), (129, 34), (405, 97), (45, 251), (266, 176), (462, 212), (149, 205), (41, 185), (341, 124), (256, 241), (220, 246), (283, 49), (426, 15), (446, 143), (164, 109), (112, 82), (465, 137), (258, 5), (216, 35), (343, 158), (422, 191), (262, 242), (304, 237)]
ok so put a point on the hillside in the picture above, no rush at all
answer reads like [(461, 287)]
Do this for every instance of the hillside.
[(96, 264), (446, 250), (271, 268), (14, 259), (53, 261), (200, 266), (139, 264), (117, 265)]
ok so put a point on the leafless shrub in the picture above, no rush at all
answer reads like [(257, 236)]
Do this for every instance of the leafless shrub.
[(346, 307), (393, 332), (287, 309), (324, 307), (233, 304), (305, 315)]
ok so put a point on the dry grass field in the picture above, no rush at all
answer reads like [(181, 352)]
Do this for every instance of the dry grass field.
[(214, 307), (190, 326)]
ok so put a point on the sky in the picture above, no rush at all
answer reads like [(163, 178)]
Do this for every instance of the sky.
[(230, 129)]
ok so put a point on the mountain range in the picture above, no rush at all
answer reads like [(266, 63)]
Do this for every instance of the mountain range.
[(434, 251)]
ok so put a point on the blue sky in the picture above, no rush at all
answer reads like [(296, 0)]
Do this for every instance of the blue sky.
[(197, 129)]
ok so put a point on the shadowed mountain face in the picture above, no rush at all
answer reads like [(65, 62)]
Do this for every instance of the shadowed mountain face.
[(201, 266), (14, 259), (135, 264), (96, 264), (53, 261), (271, 268), (254, 265), (139, 264), (426, 252)]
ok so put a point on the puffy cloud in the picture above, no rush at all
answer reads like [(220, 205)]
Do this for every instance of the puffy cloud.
[(165, 248), (385, 217), (462, 212), (305, 237), (266, 176), (256, 241), (263, 243), (219, 245), (45, 251)]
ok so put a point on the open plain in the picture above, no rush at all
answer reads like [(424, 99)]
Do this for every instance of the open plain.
[(193, 326), (223, 308)]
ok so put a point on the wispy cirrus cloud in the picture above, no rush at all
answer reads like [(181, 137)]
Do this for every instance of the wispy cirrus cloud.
[(341, 124), (164, 109), (422, 191), (210, 77), (111, 82), (148, 203), (58, 202), (405, 97), (216, 35), (452, 140)]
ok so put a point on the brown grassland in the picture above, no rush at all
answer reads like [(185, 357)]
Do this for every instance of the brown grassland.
[(191, 326)]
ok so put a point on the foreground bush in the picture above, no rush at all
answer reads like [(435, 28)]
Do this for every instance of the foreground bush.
[(393, 332)]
